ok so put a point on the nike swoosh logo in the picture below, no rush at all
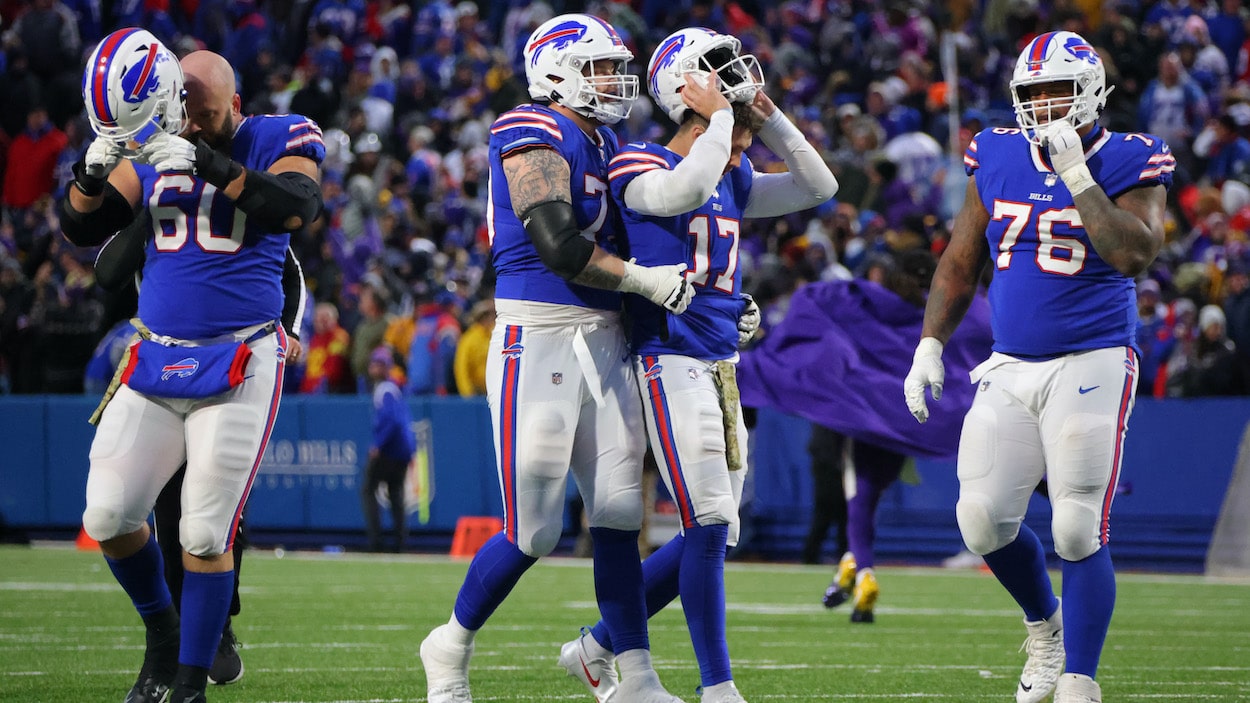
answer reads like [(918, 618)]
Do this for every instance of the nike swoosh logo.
[(1028, 688), (593, 681), (1083, 390)]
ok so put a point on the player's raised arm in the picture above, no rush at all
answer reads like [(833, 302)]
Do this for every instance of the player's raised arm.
[(1126, 233), (280, 199), (950, 294), (691, 182), (538, 185), (808, 183)]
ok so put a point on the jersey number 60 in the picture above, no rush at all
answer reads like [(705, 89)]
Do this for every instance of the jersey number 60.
[(179, 216)]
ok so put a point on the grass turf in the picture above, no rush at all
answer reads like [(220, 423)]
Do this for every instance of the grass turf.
[(346, 628)]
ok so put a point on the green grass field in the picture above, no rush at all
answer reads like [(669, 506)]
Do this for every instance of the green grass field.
[(346, 628)]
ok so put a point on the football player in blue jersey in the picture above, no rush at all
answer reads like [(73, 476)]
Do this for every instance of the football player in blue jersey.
[(1067, 213), (560, 387), (683, 203), (204, 382)]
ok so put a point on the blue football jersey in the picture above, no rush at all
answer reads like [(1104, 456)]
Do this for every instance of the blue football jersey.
[(208, 270), (1052, 293), (706, 240), (521, 275)]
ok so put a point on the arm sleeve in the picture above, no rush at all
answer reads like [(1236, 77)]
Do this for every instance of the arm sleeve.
[(122, 256), (808, 183), (293, 292), (651, 189), (89, 229)]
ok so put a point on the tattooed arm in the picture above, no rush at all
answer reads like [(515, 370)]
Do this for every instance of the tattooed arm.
[(1127, 233), (955, 281), (538, 183)]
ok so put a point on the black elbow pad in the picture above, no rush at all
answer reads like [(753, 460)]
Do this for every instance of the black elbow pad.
[(89, 229), (271, 200), (553, 229)]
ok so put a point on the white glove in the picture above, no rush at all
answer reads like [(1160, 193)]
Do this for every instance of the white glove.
[(927, 371), (102, 157), (748, 322), (166, 152), (665, 286), (1067, 155)]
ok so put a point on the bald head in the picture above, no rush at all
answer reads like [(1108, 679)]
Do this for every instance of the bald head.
[(213, 105)]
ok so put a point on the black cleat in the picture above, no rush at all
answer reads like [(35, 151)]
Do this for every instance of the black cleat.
[(160, 665), (227, 667), (186, 694)]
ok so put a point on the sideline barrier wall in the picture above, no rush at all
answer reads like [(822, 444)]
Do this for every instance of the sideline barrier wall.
[(1177, 463)]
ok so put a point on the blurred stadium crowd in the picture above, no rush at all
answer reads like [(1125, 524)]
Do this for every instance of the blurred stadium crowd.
[(891, 90)]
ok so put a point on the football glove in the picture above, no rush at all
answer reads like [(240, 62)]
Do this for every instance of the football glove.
[(665, 286), (748, 322), (91, 173), (926, 371)]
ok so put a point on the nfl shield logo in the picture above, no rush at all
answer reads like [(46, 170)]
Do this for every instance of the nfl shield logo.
[(985, 385), (693, 373), (557, 378)]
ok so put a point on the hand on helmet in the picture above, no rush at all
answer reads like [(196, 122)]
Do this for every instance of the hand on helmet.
[(168, 153), (1067, 155), (101, 158), (703, 95)]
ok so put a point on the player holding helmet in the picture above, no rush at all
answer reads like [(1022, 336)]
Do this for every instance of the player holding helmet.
[(682, 203), (204, 383), (1068, 213), (560, 389)]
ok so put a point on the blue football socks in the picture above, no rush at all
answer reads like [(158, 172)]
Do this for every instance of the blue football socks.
[(493, 574), (1021, 568)]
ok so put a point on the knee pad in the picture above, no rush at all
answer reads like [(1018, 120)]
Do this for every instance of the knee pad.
[(199, 539), (621, 510), (541, 542), (102, 523), (1074, 527), (545, 442), (721, 511), (979, 525)]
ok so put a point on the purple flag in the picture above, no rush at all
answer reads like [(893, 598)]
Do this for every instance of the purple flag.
[(839, 358)]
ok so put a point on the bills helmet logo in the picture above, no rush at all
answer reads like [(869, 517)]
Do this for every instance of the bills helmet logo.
[(664, 57), (182, 369), (1082, 50), (141, 80), (512, 351), (560, 36)]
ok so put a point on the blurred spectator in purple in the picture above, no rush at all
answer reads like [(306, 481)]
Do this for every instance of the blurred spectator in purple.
[(1154, 338), (1173, 107), (1228, 28), (1237, 303), (345, 19), (78, 136), (1170, 16), (1226, 151), (883, 103), (1204, 62)]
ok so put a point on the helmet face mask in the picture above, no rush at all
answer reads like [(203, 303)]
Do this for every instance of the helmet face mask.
[(133, 88), (565, 64), (701, 52), (1058, 58)]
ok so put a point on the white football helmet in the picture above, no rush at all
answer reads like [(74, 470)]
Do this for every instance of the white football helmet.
[(560, 61), (701, 51), (132, 87), (1056, 57)]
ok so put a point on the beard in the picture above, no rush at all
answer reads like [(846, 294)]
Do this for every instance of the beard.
[(221, 137)]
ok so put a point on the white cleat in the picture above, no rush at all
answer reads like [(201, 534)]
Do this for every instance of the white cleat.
[(446, 668), (1077, 688), (722, 693), (1046, 659), (643, 688), (597, 673)]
